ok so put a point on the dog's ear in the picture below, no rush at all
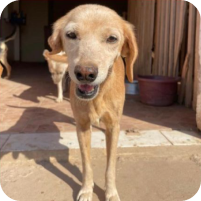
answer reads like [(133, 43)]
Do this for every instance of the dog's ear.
[(129, 50), (55, 40)]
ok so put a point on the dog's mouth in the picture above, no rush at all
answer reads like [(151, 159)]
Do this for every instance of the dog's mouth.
[(86, 91)]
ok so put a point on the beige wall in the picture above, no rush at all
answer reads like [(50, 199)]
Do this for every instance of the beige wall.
[(32, 34)]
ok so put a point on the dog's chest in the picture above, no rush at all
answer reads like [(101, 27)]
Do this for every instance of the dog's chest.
[(95, 113)]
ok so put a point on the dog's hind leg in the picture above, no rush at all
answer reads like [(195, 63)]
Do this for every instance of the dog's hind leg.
[(60, 92), (84, 138), (8, 67)]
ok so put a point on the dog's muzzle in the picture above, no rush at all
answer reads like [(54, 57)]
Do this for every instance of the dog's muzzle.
[(86, 75)]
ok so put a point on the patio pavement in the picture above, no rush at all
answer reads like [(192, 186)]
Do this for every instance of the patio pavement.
[(143, 173), (158, 156)]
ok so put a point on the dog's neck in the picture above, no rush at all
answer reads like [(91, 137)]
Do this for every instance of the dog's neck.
[(110, 79)]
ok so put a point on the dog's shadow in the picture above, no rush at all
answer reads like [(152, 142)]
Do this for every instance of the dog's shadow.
[(47, 164)]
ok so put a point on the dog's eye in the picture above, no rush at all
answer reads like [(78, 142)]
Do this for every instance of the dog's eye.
[(71, 35), (112, 39)]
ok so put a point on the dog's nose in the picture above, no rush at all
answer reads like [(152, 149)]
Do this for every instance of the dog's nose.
[(86, 73)]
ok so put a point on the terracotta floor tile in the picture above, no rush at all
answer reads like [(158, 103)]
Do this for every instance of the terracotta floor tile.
[(28, 105)]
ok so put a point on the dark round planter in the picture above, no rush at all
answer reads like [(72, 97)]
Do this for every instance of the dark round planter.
[(158, 90)]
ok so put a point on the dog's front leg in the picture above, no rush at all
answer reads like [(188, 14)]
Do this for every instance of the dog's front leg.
[(60, 92), (112, 136), (84, 138)]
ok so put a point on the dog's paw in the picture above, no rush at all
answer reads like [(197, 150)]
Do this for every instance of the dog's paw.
[(85, 194), (112, 195), (59, 100)]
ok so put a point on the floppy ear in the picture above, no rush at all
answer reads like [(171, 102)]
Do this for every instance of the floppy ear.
[(62, 58), (55, 40), (129, 50)]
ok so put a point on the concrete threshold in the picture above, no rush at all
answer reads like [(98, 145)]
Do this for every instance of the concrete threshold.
[(61, 146)]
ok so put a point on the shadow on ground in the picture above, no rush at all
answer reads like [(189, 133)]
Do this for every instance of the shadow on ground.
[(73, 169)]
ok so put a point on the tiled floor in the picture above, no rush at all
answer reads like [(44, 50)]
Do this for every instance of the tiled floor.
[(27, 105)]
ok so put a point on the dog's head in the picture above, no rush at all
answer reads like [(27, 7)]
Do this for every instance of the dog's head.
[(57, 65), (93, 37)]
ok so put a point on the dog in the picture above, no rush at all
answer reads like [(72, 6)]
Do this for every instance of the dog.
[(3, 59), (95, 39), (4, 52), (58, 67)]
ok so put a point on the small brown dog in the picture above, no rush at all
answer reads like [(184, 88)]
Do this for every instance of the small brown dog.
[(58, 67), (3, 58), (95, 39)]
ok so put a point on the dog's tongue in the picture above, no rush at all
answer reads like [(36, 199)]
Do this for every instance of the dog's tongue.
[(86, 87)]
